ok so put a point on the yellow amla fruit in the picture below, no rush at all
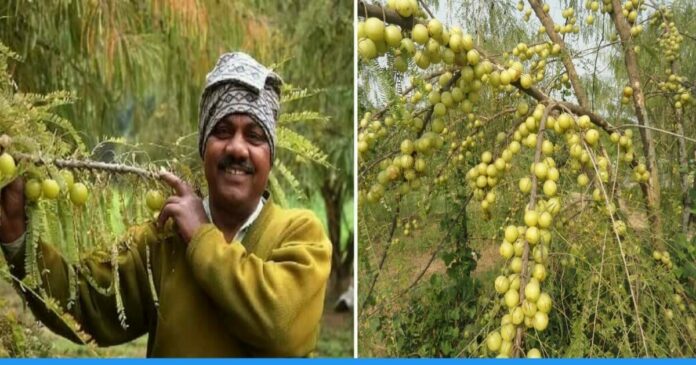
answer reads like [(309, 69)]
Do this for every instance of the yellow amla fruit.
[(32, 190), (154, 200), (79, 193), (367, 49), (494, 341), (374, 29), (534, 353), (7, 166), (50, 189)]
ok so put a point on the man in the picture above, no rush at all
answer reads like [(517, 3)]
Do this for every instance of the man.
[(240, 277)]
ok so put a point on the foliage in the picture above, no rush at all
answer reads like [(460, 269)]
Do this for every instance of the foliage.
[(439, 315), (19, 341)]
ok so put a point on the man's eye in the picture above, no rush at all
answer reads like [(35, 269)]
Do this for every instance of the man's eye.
[(257, 136), (220, 132)]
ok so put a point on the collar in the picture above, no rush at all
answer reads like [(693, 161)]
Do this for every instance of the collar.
[(250, 220)]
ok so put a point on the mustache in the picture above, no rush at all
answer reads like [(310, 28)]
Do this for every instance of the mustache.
[(229, 161)]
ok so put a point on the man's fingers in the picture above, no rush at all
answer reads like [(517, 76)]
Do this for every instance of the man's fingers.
[(169, 210), (174, 199), (177, 184), (12, 214), (12, 198), (14, 189), (16, 186)]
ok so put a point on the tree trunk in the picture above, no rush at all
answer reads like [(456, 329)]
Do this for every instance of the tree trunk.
[(332, 196), (683, 162), (653, 188)]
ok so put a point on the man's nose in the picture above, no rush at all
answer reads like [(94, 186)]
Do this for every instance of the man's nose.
[(237, 147)]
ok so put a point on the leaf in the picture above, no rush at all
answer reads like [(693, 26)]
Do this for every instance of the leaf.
[(289, 118), (289, 177), (300, 145), (277, 192), (291, 94)]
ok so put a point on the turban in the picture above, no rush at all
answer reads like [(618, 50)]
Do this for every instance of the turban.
[(239, 84)]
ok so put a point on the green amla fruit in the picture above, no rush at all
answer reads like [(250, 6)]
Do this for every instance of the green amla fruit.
[(7, 165), (32, 190), (79, 194), (154, 200), (50, 189)]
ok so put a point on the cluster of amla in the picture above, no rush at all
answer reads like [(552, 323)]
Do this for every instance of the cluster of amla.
[(663, 257), (430, 43), (670, 43), (569, 26), (52, 189), (631, 10), (406, 168), (525, 248), (48, 188), (529, 307), (670, 39), (449, 93), (61, 183)]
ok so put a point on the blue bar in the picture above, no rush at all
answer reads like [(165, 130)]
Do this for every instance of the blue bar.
[(372, 361)]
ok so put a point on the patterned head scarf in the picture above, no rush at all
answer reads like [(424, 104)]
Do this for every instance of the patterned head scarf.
[(239, 84)]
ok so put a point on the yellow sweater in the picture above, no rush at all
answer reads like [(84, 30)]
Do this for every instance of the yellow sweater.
[(263, 296)]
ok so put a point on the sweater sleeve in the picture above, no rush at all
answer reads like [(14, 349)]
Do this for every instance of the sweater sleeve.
[(94, 306), (12, 248), (274, 305)]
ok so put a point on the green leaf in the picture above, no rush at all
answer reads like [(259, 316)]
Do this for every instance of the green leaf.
[(290, 140), (289, 118)]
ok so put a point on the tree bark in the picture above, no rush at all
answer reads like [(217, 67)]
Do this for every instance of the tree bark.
[(631, 60), (332, 195), (366, 10), (683, 160)]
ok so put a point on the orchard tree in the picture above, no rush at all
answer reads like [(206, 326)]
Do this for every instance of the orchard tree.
[(552, 129)]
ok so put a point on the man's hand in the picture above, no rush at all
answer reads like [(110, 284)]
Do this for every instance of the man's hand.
[(186, 208), (12, 214)]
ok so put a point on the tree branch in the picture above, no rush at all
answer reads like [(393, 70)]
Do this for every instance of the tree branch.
[(547, 22), (89, 165)]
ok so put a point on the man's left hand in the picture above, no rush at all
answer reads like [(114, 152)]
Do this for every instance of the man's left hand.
[(186, 208)]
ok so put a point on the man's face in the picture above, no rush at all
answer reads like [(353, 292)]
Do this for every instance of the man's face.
[(237, 161)]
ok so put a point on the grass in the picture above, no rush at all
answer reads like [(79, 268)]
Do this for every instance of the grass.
[(336, 338)]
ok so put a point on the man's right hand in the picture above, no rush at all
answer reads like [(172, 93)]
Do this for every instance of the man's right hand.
[(12, 213)]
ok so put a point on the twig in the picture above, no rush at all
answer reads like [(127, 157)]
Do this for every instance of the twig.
[(532, 204), (546, 20), (657, 130), (89, 165), (384, 257), (439, 247), (621, 250), (425, 7)]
